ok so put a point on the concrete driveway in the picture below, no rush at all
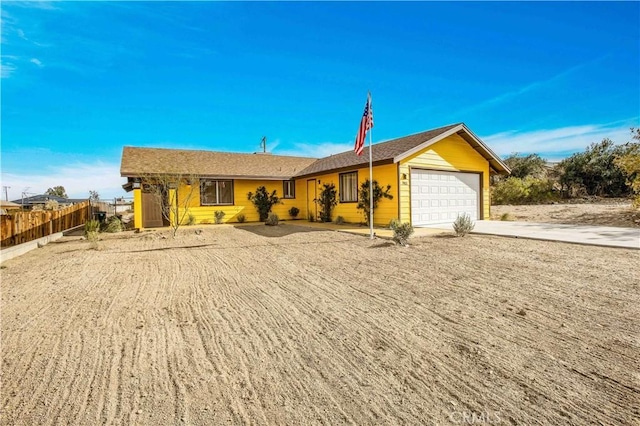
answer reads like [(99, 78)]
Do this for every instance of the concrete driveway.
[(581, 234)]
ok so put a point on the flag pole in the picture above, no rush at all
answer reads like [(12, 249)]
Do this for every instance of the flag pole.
[(371, 236)]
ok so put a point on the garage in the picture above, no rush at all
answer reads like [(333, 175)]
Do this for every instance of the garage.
[(438, 197)]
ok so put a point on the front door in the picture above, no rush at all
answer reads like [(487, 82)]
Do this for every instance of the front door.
[(312, 212), (151, 211)]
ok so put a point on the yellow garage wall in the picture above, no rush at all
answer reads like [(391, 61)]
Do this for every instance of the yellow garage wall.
[(205, 214), (387, 209), (450, 154), (137, 208)]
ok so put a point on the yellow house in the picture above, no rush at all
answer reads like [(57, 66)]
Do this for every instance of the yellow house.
[(434, 176)]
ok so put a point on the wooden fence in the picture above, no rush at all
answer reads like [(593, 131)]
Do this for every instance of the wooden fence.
[(22, 227)]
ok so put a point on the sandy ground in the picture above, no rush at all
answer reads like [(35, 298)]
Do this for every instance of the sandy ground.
[(290, 326), (605, 212)]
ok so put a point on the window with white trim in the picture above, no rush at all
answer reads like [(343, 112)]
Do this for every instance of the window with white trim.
[(288, 189), (216, 192), (349, 187)]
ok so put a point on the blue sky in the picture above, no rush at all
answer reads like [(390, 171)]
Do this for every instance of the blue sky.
[(82, 79)]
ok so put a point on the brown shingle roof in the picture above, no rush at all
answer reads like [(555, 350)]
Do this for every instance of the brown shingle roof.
[(145, 161), (382, 152)]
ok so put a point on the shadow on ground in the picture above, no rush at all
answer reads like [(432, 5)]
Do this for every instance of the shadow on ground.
[(281, 230)]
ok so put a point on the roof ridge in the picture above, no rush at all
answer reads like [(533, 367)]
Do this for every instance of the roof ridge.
[(219, 152), (401, 137)]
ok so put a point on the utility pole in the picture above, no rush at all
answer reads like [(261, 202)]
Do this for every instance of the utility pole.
[(263, 144), (6, 192)]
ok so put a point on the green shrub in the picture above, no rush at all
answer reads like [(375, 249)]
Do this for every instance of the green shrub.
[(339, 220), (378, 194), (327, 201), (505, 217), (263, 201), (293, 212), (272, 219), (463, 225), (218, 215), (113, 225), (192, 220), (528, 190), (241, 218), (401, 232)]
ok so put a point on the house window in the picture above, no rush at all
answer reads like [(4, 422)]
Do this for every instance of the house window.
[(349, 187), (216, 192), (289, 189)]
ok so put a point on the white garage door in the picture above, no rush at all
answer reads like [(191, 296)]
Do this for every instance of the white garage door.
[(439, 197)]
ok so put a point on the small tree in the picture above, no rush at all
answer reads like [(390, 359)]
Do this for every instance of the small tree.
[(630, 164), (173, 193), (263, 201), (58, 191), (94, 196), (327, 201), (526, 165), (378, 194), (594, 171)]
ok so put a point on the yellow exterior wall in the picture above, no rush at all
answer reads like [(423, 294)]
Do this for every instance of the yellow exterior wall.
[(137, 208), (205, 214), (450, 154), (387, 209)]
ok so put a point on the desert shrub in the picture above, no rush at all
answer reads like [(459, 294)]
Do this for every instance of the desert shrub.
[(378, 194), (113, 225), (339, 220), (401, 232), (91, 229), (241, 218), (51, 205), (327, 201), (463, 225), (218, 216), (263, 201), (505, 217), (293, 212), (91, 226), (192, 220), (272, 219), (528, 190)]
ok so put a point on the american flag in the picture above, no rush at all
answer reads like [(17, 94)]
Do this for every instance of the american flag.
[(365, 124)]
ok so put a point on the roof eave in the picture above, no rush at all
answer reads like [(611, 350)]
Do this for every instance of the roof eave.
[(210, 176), (343, 168), (495, 161)]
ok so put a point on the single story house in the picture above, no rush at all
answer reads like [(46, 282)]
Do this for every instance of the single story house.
[(434, 176), (42, 199), (7, 206)]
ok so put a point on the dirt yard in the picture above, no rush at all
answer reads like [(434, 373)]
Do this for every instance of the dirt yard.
[(290, 325), (604, 212)]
